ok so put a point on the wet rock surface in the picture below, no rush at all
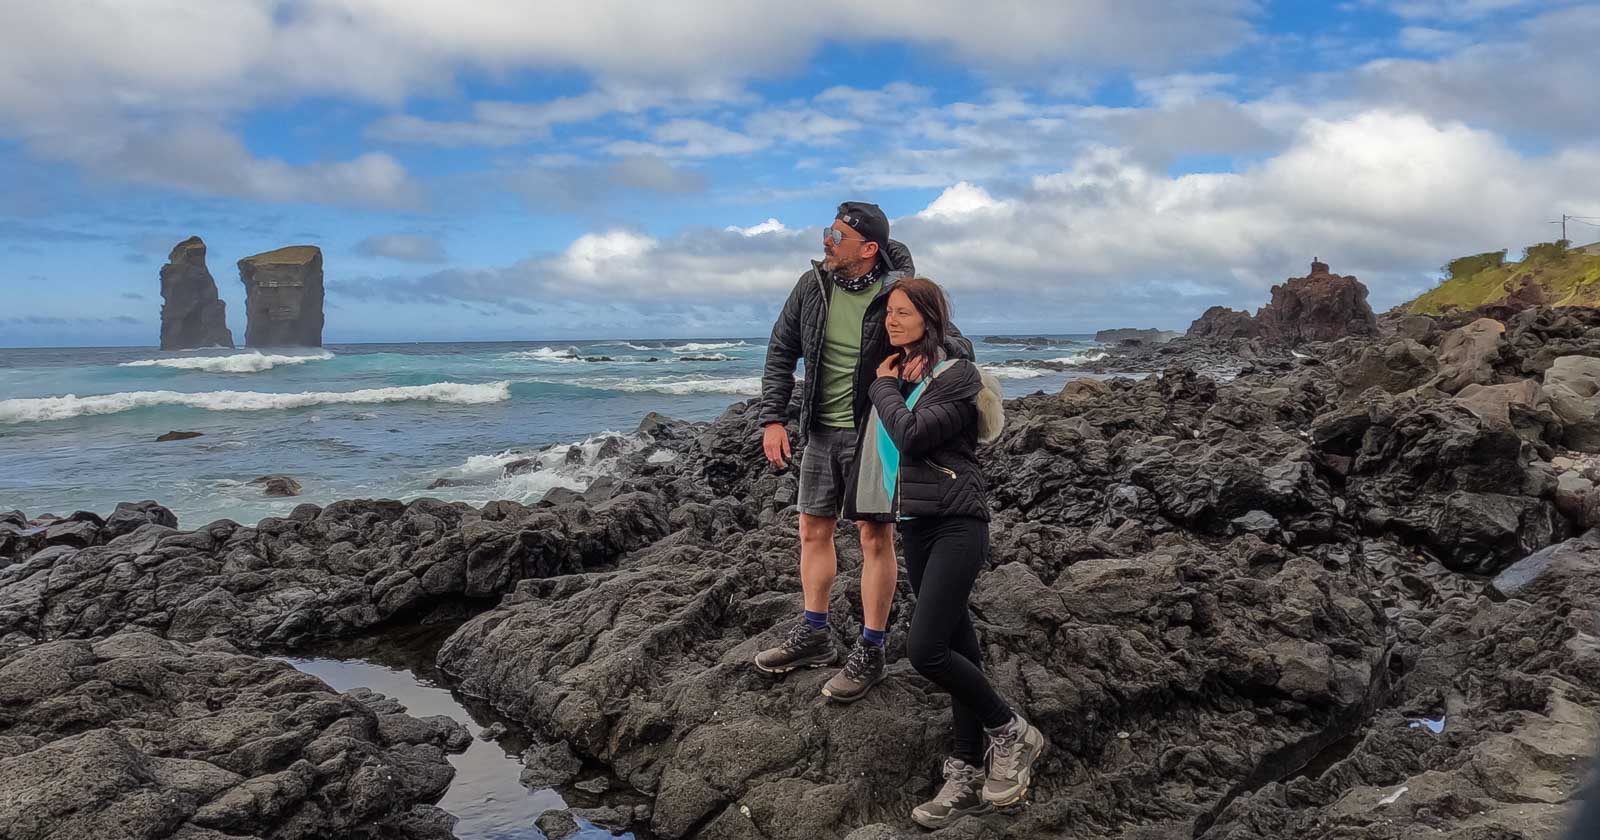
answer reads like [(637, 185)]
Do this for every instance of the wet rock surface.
[(136, 736), (1226, 599)]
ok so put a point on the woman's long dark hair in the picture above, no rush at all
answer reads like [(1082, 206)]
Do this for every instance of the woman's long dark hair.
[(934, 308)]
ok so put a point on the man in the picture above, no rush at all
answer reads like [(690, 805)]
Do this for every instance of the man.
[(834, 320)]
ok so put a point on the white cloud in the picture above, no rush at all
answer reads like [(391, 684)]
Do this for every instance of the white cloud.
[(960, 200), (229, 52), (202, 157), (596, 257), (1181, 88), (1426, 39), (1533, 78), (498, 123), (406, 247), (1458, 10), (874, 105), (1384, 195), (768, 226)]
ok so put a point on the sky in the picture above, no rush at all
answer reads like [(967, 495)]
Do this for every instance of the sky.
[(525, 170)]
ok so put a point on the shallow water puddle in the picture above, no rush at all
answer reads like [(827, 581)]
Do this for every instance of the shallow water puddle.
[(1433, 725), (485, 796)]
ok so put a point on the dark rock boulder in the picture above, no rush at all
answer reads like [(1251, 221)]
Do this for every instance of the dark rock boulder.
[(136, 736), (283, 297), (129, 516), (192, 315), (1468, 354), (1033, 340), (278, 485), (1321, 306), (1490, 727), (1394, 367), (319, 573), (1137, 669), (1131, 335), (1572, 385), (1573, 564), (1222, 322), (1460, 488)]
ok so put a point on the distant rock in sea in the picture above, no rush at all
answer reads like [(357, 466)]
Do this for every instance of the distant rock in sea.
[(283, 297), (1321, 306), (1034, 340), (1135, 336), (278, 485), (192, 315)]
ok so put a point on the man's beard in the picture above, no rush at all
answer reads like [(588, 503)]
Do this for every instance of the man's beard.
[(850, 270)]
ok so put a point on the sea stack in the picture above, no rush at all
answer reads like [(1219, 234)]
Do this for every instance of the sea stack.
[(283, 297), (191, 313), (1321, 306)]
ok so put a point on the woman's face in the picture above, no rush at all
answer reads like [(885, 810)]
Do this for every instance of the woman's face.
[(902, 320)]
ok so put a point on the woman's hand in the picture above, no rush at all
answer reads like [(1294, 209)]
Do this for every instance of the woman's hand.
[(890, 366)]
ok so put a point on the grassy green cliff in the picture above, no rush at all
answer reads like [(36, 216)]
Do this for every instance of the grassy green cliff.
[(1550, 272)]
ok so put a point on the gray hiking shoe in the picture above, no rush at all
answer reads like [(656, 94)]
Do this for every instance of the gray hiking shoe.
[(961, 795), (802, 647), (1012, 752), (862, 670)]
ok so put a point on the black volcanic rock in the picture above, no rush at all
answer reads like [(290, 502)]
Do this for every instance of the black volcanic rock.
[(191, 313), (138, 736), (283, 297), (1321, 306), (1133, 335), (1222, 322), (1247, 607)]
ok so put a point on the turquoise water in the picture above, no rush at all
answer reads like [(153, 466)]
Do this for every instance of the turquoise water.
[(78, 426)]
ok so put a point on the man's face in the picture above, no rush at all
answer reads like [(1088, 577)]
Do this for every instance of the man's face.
[(844, 253)]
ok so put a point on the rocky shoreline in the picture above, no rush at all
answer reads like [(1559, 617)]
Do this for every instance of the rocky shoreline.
[(1342, 590)]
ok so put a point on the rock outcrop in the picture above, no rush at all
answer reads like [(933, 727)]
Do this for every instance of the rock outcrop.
[(1572, 384), (283, 297), (1321, 306), (1242, 608), (1225, 323), (137, 736), (1132, 335), (192, 315)]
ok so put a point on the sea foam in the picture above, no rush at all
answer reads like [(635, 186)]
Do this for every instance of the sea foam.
[(235, 363), (71, 405)]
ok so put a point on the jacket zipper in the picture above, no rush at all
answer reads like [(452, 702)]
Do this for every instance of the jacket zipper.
[(945, 470), (814, 380)]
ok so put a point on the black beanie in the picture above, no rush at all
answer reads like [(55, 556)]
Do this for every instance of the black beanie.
[(867, 220)]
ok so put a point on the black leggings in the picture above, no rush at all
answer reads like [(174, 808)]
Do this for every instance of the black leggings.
[(943, 557)]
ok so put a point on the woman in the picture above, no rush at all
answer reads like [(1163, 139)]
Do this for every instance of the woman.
[(917, 464)]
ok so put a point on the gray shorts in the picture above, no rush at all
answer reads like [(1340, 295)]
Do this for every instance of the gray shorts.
[(825, 470)]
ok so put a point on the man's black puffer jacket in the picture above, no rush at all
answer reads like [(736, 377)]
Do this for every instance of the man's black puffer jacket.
[(938, 443), (798, 334)]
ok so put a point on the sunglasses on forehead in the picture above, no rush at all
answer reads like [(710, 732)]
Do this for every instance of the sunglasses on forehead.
[(835, 236)]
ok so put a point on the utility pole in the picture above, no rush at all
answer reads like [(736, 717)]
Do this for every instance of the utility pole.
[(1563, 224)]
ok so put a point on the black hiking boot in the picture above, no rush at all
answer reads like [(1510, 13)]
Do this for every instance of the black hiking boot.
[(802, 647), (862, 670)]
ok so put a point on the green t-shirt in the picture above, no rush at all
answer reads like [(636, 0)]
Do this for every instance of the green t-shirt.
[(841, 353)]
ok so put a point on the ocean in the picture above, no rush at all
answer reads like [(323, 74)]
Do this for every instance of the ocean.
[(78, 426)]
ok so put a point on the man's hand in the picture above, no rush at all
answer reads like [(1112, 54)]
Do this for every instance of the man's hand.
[(775, 443), (890, 366)]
